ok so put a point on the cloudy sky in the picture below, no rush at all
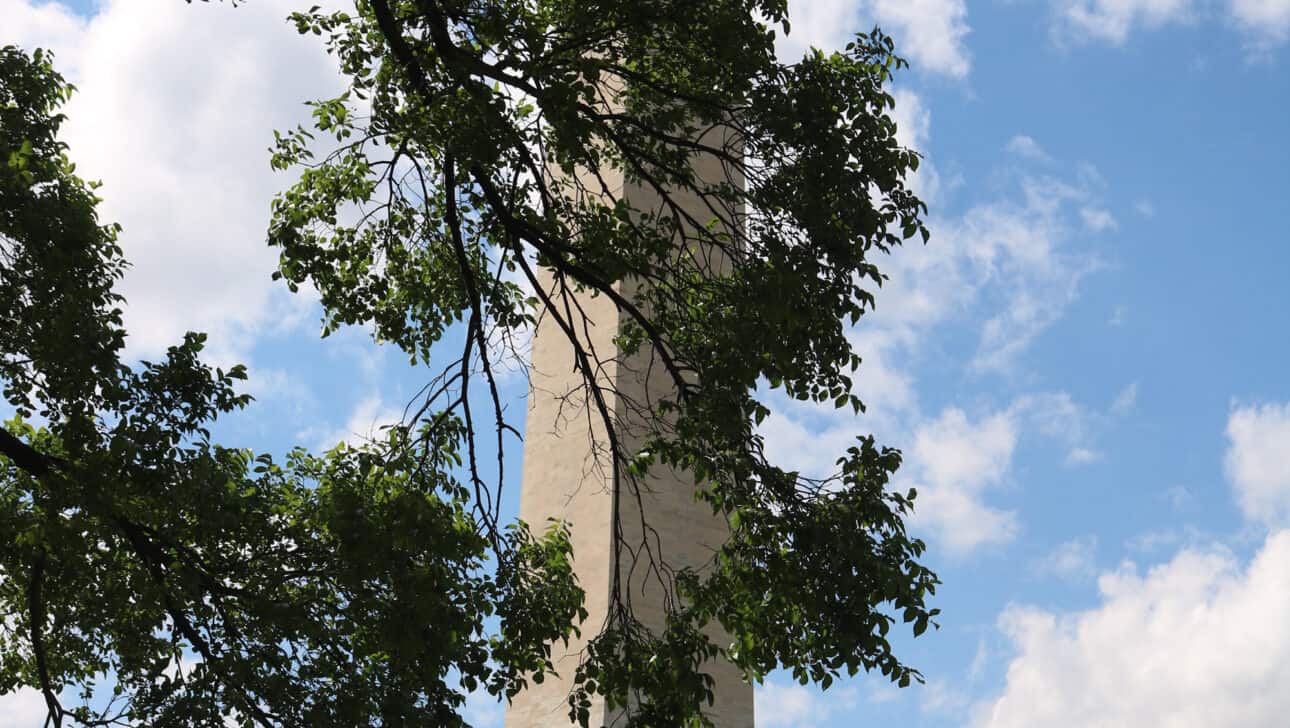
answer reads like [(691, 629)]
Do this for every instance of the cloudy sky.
[(1086, 367)]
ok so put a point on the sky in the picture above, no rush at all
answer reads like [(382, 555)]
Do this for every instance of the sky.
[(1086, 367)]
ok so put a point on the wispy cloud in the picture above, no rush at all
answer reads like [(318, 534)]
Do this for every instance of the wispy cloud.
[(1073, 560), (1125, 400), (1266, 22), (1027, 148), (1263, 24), (1007, 269), (366, 423), (1112, 21), (786, 705)]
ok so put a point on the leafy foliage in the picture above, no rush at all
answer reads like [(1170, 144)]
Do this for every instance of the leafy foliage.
[(204, 584)]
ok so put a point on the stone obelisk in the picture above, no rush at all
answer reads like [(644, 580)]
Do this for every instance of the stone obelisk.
[(568, 474)]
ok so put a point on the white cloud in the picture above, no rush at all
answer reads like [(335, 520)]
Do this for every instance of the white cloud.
[(956, 461), (1097, 219), (824, 24), (483, 710), (1199, 641), (880, 692), (1083, 456), (1071, 560), (1267, 21), (954, 450), (23, 708), (367, 422), (1264, 23), (913, 119), (930, 33), (1016, 251), (944, 697), (913, 130), (806, 438), (1179, 496), (961, 522), (1027, 148), (1011, 259), (49, 25), (1057, 416), (980, 659), (786, 705), (1126, 400), (1153, 542), (1258, 461), (175, 110), (886, 386), (952, 462), (1004, 266), (1111, 21), (269, 384)]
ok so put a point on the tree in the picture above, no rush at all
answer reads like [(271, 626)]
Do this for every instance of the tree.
[(463, 161), (204, 583)]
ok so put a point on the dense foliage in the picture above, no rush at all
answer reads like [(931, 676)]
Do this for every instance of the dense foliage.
[(159, 579), (460, 185)]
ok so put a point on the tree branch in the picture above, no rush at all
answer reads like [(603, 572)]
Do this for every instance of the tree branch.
[(25, 456)]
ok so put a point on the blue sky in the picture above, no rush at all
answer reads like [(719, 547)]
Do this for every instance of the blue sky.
[(1086, 367)]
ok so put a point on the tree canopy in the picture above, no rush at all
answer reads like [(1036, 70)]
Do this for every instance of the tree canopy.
[(202, 583), (458, 186)]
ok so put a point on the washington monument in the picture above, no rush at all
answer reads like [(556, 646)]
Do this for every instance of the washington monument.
[(569, 467)]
